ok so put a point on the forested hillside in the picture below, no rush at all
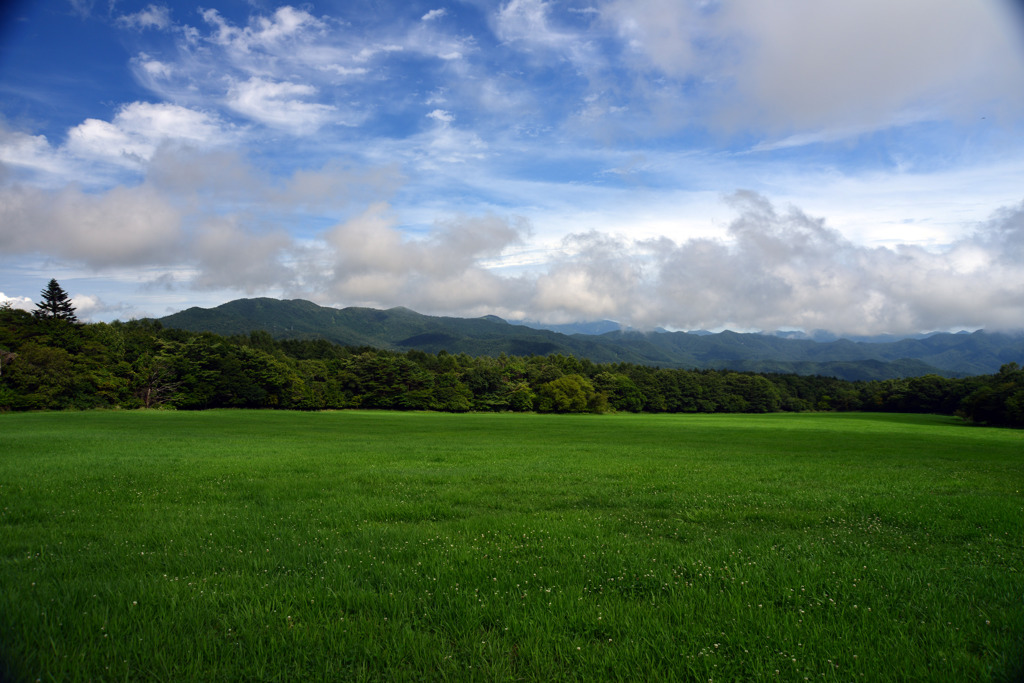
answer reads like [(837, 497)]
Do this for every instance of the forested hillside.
[(51, 363), (399, 329)]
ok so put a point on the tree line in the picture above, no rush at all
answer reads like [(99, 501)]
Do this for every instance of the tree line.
[(49, 361)]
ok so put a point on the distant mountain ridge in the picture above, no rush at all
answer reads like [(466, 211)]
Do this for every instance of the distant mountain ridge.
[(400, 329)]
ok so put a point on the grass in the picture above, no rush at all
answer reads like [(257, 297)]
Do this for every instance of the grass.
[(234, 545)]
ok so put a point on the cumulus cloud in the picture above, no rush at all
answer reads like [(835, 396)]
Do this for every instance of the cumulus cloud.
[(772, 269), (597, 279), (23, 303), (787, 269), (98, 153), (32, 152), (139, 128), (87, 306), (375, 265)]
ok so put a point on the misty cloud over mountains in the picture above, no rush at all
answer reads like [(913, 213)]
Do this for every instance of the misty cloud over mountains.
[(772, 267)]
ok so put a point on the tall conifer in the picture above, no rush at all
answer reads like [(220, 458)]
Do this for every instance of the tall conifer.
[(56, 305)]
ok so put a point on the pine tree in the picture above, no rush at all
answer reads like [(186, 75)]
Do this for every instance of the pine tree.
[(56, 305)]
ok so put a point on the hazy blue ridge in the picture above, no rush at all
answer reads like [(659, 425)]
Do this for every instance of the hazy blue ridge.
[(400, 329)]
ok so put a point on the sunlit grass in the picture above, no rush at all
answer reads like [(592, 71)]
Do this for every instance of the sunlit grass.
[(368, 546)]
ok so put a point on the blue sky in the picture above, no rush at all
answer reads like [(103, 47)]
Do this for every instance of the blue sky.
[(852, 167)]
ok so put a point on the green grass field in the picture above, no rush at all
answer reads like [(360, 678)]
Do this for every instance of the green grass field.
[(408, 546)]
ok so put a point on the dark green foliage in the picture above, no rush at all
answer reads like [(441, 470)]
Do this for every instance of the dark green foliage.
[(568, 394), (999, 401), (622, 393), (48, 364)]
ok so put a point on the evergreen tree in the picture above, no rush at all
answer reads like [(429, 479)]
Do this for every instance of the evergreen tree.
[(56, 305)]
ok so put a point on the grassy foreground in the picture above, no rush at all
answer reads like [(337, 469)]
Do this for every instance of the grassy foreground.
[(394, 546)]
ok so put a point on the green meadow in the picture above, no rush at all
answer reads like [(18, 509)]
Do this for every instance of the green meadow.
[(259, 545)]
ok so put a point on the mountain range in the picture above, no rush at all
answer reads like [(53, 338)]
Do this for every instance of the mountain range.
[(400, 329)]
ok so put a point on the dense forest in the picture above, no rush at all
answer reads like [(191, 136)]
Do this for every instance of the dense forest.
[(50, 361)]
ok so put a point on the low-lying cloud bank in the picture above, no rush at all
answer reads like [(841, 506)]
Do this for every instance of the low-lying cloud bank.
[(786, 269), (210, 222)]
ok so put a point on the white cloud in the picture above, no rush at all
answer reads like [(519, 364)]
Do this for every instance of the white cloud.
[(527, 21), (87, 305), (607, 282), (449, 145), (291, 70), (776, 269), (23, 303), (139, 128), (376, 265), (153, 16), (290, 46), (31, 152), (370, 51), (430, 41), (262, 32), (346, 71), (287, 21), (95, 138), (786, 269), (280, 104), (527, 25), (441, 116), (153, 68), (434, 14), (371, 242)]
